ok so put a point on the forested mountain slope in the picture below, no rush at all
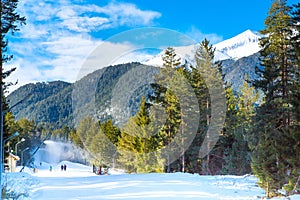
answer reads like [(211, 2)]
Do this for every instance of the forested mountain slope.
[(58, 102)]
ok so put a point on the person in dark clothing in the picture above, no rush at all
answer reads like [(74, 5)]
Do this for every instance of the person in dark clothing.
[(65, 167), (94, 169), (62, 167)]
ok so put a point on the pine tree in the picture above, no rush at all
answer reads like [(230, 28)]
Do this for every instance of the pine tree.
[(9, 21), (296, 28), (196, 80), (275, 157), (75, 138), (86, 130), (171, 126), (296, 44), (102, 149), (295, 98), (111, 132), (30, 132), (228, 139), (170, 59), (168, 100), (247, 100), (138, 146), (211, 72), (240, 109)]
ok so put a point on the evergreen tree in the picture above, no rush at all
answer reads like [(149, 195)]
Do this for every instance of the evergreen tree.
[(296, 44), (295, 93), (31, 133), (104, 144), (211, 72), (75, 139), (102, 149), (138, 146), (247, 100), (9, 21), (188, 115), (111, 132), (275, 157), (94, 139), (228, 139), (240, 109), (86, 130), (175, 94), (170, 59), (296, 28), (166, 97), (194, 161)]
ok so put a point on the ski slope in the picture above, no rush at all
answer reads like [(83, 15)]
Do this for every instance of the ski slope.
[(79, 183)]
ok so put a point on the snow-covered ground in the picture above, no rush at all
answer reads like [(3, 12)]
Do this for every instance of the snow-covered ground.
[(79, 183)]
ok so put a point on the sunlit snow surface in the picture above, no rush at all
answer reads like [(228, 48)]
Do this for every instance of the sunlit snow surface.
[(78, 182), (242, 45)]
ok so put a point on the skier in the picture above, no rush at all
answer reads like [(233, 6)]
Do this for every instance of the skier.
[(65, 167), (50, 168), (62, 167)]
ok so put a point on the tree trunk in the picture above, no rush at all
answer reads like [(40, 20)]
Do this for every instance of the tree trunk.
[(182, 156), (169, 136), (208, 143)]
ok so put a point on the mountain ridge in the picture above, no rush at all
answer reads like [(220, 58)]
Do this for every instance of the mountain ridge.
[(242, 45), (54, 101)]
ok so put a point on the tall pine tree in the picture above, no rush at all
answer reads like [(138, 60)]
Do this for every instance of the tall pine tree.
[(211, 72), (240, 109), (9, 22), (168, 100), (275, 157)]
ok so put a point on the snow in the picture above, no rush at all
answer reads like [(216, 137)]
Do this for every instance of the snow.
[(79, 183), (186, 52), (242, 45)]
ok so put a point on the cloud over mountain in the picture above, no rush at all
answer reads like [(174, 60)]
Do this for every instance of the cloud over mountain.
[(59, 35)]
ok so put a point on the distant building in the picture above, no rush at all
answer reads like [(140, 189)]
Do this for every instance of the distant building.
[(11, 163)]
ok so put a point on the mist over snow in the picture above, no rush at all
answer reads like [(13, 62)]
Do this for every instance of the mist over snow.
[(55, 152)]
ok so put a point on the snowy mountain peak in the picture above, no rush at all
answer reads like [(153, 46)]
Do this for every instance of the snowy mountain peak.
[(248, 33), (242, 45)]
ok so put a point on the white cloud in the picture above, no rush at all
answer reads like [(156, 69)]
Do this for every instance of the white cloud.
[(59, 36), (84, 24), (76, 17), (64, 64), (198, 35), (105, 54), (31, 31), (129, 14), (26, 72)]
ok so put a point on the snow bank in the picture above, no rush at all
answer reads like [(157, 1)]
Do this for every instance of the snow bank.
[(18, 185)]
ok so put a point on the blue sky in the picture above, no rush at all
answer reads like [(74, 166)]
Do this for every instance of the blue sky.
[(197, 17), (60, 34)]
